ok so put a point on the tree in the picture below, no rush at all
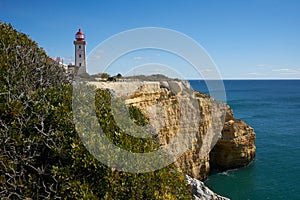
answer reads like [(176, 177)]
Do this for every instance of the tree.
[(119, 75)]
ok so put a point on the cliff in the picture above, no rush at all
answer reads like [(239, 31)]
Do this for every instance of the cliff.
[(236, 148), (173, 108)]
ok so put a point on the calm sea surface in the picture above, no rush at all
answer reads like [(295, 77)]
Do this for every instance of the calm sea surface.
[(272, 108)]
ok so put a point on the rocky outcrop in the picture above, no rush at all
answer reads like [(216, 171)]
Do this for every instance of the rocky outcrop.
[(236, 148), (201, 192), (173, 109)]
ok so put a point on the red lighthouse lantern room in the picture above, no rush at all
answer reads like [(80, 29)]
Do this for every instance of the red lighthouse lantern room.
[(79, 35)]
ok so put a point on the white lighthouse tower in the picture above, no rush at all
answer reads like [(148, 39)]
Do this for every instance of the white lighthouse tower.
[(80, 59)]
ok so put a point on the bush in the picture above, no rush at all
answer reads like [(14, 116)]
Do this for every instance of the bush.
[(42, 156)]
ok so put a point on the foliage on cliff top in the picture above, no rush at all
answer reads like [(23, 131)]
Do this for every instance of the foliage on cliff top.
[(41, 155)]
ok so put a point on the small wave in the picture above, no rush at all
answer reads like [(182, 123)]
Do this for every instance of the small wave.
[(224, 173), (229, 172)]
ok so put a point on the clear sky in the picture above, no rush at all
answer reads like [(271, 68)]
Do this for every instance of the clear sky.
[(246, 39)]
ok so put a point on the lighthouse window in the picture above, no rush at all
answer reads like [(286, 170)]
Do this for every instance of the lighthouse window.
[(79, 55), (79, 64), (79, 47)]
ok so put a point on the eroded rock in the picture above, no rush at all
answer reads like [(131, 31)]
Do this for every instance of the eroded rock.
[(236, 148), (173, 108)]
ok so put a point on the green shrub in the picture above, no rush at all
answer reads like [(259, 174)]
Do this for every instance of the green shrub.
[(42, 156)]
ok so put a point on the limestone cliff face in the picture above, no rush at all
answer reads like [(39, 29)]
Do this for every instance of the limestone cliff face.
[(236, 148), (173, 108)]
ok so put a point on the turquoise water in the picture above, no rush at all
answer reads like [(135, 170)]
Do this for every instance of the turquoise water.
[(272, 108)]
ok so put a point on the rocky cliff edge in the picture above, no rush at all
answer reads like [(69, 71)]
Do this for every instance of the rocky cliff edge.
[(218, 141)]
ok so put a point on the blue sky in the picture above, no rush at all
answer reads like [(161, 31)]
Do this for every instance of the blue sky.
[(246, 39)]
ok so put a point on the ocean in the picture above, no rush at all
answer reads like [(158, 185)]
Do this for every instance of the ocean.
[(272, 108)]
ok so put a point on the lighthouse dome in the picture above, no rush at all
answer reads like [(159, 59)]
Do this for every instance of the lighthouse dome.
[(79, 35)]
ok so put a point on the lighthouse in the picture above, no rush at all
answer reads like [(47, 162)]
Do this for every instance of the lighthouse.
[(80, 58)]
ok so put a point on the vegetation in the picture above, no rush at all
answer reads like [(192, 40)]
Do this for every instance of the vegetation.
[(104, 75), (119, 75), (116, 134), (42, 156)]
